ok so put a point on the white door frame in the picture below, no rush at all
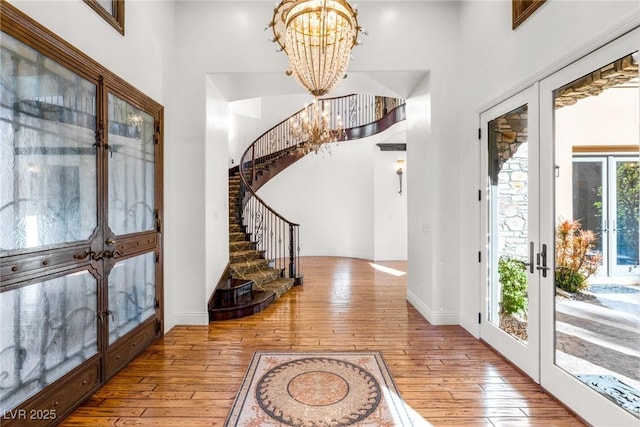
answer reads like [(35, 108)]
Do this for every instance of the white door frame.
[(525, 356)]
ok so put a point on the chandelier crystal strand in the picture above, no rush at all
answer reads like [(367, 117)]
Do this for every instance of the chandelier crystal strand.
[(317, 36)]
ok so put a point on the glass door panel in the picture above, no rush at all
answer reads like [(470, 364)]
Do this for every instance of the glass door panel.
[(590, 312), (589, 198), (46, 330), (132, 294), (131, 168), (624, 205), (509, 212), (510, 293), (47, 153)]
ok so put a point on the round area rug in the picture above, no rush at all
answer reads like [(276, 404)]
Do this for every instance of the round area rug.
[(318, 391)]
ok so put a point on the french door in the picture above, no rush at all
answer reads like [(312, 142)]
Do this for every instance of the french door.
[(80, 224), (582, 347), (589, 357), (512, 259)]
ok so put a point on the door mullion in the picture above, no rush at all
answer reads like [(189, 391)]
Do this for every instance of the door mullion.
[(102, 194)]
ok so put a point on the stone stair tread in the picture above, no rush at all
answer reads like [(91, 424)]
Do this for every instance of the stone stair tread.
[(249, 263), (279, 286), (240, 244), (237, 236), (243, 268), (245, 255), (261, 277)]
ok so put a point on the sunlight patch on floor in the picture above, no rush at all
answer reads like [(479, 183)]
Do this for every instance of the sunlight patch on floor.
[(415, 418), (387, 270)]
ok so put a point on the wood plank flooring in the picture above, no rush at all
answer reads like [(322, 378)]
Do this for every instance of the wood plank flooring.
[(447, 377)]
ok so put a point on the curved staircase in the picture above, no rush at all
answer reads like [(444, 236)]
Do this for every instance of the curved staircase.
[(263, 245)]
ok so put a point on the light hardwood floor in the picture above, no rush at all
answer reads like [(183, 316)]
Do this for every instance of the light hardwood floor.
[(447, 377)]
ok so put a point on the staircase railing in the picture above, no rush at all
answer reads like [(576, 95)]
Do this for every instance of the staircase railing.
[(279, 238)]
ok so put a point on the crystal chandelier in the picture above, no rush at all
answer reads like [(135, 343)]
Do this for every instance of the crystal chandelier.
[(317, 36), (313, 129)]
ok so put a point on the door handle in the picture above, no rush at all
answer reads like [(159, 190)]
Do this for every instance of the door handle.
[(543, 256), (530, 263), (110, 241)]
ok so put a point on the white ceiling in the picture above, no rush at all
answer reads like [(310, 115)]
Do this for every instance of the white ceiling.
[(237, 86), (382, 66)]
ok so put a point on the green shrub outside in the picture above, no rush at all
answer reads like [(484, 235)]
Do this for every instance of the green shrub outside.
[(513, 278)]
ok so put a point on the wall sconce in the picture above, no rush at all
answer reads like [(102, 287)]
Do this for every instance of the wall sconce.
[(399, 171)]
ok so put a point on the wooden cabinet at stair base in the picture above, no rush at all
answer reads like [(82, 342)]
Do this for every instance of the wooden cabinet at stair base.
[(234, 292), (235, 298)]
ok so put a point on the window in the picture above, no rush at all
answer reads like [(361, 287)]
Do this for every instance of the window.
[(111, 10)]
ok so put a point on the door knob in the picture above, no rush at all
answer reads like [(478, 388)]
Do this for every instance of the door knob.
[(110, 241)]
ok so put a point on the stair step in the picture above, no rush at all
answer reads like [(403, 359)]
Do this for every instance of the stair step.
[(261, 277), (243, 268), (233, 292), (237, 236), (241, 256), (279, 286), (236, 228), (258, 302), (241, 245)]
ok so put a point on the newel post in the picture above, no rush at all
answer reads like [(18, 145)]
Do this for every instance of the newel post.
[(292, 264)]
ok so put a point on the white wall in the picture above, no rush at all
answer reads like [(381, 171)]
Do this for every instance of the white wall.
[(225, 40), (503, 62), (142, 57), (610, 118), (331, 196), (389, 206), (346, 202)]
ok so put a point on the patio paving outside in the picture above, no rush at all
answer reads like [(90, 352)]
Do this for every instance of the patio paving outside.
[(601, 335)]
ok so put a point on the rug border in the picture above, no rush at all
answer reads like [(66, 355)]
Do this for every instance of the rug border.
[(395, 402)]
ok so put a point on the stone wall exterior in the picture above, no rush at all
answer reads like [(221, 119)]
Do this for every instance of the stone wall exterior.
[(513, 203)]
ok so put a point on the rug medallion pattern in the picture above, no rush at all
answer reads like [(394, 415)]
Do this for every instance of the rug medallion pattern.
[(318, 389)]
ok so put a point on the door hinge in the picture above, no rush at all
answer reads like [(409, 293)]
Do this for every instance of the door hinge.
[(157, 257), (156, 134), (479, 256), (158, 221), (479, 195), (479, 318), (158, 327), (157, 303), (479, 133)]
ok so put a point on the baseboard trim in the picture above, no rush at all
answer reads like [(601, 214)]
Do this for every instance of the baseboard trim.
[(191, 318), (435, 318)]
